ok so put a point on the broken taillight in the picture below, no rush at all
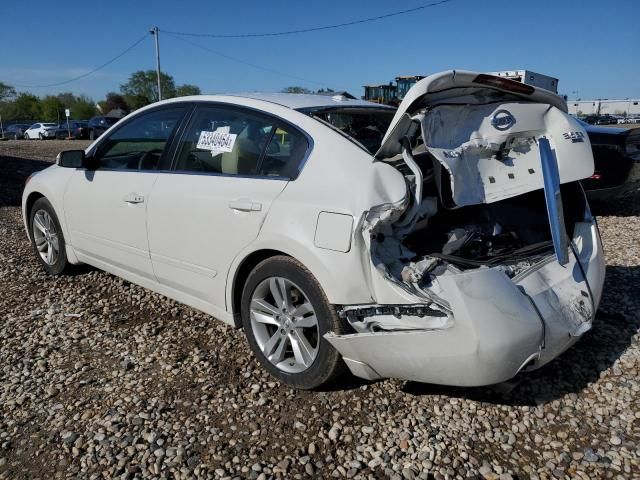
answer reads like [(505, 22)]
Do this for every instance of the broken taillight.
[(504, 84)]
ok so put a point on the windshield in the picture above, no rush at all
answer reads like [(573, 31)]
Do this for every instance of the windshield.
[(365, 125)]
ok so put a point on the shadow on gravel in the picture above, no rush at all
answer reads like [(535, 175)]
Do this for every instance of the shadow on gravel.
[(627, 205), (616, 323), (344, 382), (14, 172)]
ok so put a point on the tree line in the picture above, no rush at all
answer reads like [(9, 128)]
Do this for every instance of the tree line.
[(140, 89)]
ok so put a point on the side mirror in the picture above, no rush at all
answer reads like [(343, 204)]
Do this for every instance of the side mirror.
[(71, 159)]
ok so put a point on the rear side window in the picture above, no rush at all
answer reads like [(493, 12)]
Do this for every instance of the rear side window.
[(231, 141), (365, 125), (284, 154)]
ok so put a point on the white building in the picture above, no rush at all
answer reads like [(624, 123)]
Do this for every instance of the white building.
[(601, 107), (530, 78)]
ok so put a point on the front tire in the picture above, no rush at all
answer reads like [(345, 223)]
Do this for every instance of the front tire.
[(47, 238), (285, 315)]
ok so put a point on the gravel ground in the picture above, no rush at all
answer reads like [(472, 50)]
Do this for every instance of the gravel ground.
[(101, 378)]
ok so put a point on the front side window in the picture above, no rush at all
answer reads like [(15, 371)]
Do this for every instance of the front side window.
[(229, 141), (140, 143)]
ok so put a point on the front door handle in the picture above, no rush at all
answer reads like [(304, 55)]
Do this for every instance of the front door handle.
[(134, 198), (245, 205)]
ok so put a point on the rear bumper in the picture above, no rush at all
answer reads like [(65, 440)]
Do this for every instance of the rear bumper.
[(500, 325)]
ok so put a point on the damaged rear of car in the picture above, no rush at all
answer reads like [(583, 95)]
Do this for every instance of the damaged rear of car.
[(493, 264)]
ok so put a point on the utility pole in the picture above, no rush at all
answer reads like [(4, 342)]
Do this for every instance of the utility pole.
[(155, 31)]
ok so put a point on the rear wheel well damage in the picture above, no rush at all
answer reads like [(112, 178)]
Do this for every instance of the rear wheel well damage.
[(242, 273), (31, 199)]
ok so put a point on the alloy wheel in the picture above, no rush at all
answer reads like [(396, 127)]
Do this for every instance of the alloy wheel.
[(284, 324), (45, 237)]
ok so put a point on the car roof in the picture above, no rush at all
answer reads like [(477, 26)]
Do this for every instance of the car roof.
[(297, 101)]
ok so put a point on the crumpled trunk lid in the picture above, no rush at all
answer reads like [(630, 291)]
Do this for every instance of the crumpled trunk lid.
[(457, 87), (484, 132), (486, 153)]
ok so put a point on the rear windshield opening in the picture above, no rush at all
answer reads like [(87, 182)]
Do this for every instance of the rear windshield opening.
[(366, 126)]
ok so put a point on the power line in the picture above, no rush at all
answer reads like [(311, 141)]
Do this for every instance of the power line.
[(234, 59), (313, 29), (124, 52)]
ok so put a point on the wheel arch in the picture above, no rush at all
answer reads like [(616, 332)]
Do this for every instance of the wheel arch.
[(31, 200), (240, 277), (35, 191)]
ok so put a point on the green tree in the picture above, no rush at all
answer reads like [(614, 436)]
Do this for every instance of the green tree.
[(7, 92), (67, 99), (52, 109), (187, 89), (114, 101), (296, 90), (143, 85), (26, 106), (136, 101), (83, 108)]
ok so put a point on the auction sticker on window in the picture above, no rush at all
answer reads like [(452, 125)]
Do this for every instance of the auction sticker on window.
[(216, 142)]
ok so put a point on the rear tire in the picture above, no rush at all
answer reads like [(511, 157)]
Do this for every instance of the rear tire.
[(47, 237), (289, 341)]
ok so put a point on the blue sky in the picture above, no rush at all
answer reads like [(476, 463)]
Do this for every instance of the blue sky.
[(593, 47)]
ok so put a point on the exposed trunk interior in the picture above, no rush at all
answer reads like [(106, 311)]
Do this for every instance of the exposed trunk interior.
[(511, 233), (493, 182), (434, 235)]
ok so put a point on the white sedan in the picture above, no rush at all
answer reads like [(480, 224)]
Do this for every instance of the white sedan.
[(41, 131), (447, 242)]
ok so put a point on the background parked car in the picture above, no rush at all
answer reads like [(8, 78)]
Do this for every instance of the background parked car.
[(99, 125), (616, 155), (79, 130), (627, 120), (41, 131), (16, 131), (600, 120)]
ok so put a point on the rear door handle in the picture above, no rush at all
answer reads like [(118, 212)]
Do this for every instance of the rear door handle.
[(245, 205), (134, 198)]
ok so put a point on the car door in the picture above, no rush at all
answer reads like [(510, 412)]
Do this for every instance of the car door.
[(229, 168), (105, 207)]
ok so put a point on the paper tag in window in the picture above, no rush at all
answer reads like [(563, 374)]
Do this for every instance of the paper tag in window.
[(216, 142)]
